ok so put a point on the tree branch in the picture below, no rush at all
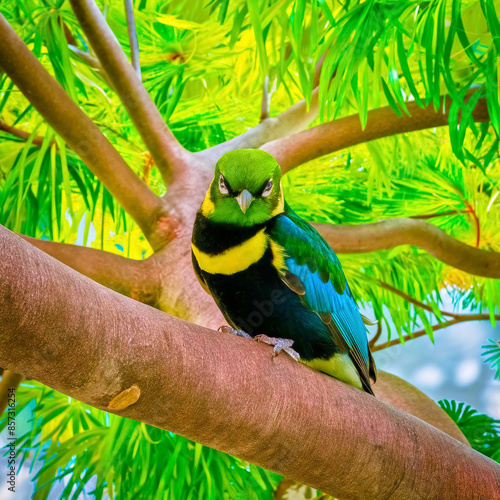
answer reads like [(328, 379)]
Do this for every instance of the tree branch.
[(460, 318), (21, 134), (377, 335), (401, 394), (289, 122), (345, 132), (130, 277), (90, 61), (70, 333), (169, 156), (414, 301), (266, 100), (391, 233), (81, 134), (132, 37)]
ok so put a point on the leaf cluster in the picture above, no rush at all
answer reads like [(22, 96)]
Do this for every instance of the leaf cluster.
[(482, 431)]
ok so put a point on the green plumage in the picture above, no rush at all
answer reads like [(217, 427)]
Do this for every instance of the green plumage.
[(272, 273)]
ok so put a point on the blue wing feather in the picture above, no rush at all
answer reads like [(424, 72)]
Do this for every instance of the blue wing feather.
[(312, 260)]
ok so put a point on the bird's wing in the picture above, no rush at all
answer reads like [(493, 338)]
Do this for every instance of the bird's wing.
[(197, 272), (313, 271)]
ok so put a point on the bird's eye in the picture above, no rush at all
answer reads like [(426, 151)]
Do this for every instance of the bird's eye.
[(222, 185), (268, 188)]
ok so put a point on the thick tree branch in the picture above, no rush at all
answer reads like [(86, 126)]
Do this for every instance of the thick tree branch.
[(327, 138), (130, 277), (81, 134), (169, 156), (291, 121), (460, 318), (390, 233), (401, 394), (226, 392)]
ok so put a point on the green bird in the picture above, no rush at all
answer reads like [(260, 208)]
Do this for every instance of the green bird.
[(272, 274)]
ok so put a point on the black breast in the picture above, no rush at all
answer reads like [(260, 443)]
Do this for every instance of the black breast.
[(257, 301), (214, 238)]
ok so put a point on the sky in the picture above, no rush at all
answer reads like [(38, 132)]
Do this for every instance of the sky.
[(452, 368)]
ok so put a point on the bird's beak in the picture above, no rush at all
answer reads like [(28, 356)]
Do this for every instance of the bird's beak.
[(244, 200)]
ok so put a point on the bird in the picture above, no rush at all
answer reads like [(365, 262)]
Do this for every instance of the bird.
[(272, 275)]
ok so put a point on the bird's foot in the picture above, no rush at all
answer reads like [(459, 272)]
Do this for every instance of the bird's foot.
[(279, 345), (233, 331)]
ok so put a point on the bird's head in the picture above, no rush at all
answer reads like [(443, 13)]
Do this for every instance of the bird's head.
[(245, 190)]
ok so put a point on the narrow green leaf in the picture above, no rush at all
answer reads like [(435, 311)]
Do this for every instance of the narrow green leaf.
[(253, 10)]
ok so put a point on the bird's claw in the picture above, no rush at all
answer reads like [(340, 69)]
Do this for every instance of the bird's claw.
[(279, 345), (233, 331)]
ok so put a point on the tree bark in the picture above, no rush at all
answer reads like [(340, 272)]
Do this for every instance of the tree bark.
[(137, 279), (94, 344), (327, 138), (168, 154), (391, 233), (292, 121)]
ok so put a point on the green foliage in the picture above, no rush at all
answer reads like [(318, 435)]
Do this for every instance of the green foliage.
[(492, 356), (482, 431), (102, 454)]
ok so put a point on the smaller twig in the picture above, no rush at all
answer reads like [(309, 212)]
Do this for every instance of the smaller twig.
[(470, 209), (290, 122), (21, 134), (442, 214), (132, 37), (266, 100), (440, 326), (374, 340), (415, 302), (70, 39), (10, 380), (146, 169), (86, 58), (93, 63), (317, 70)]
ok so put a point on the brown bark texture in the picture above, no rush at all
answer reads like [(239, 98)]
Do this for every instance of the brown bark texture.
[(391, 233), (162, 145), (93, 344), (345, 132)]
